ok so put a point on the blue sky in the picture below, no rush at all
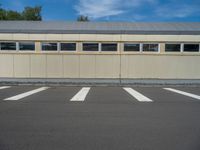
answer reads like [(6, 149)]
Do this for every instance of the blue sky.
[(114, 10)]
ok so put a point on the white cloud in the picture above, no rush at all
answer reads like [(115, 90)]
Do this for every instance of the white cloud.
[(105, 8), (177, 11), (136, 3), (98, 9)]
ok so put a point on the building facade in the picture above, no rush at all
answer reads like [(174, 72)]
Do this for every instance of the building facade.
[(90, 50)]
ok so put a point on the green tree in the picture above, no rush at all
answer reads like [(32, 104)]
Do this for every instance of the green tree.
[(29, 13), (83, 18), (2, 13), (32, 13), (13, 15)]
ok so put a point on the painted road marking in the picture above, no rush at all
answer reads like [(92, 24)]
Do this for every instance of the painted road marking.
[(81, 95), (4, 87), (137, 95), (183, 93), (20, 96)]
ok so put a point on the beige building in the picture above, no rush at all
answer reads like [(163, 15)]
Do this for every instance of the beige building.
[(91, 50)]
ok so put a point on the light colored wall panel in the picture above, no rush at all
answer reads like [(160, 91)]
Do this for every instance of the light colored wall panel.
[(190, 38), (71, 66), (37, 37), (6, 65), (22, 66), (88, 37), (146, 38), (100, 66), (22, 37), (162, 47), (110, 37), (162, 38), (161, 67), (54, 66), (87, 66), (5, 37), (54, 37), (79, 47), (124, 64), (70, 37), (38, 66), (107, 66), (186, 67), (38, 46), (141, 67), (134, 38), (100, 37)]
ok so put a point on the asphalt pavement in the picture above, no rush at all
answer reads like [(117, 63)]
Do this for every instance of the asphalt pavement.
[(99, 118)]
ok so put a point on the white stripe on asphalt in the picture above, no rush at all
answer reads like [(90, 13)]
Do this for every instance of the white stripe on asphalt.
[(4, 87), (80, 96), (20, 96), (183, 93), (137, 95)]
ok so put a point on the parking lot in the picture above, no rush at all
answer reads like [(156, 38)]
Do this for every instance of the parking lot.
[(99, 118)]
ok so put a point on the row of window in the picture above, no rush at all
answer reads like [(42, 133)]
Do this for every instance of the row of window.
[(128, 47), (72, 46), (168, 47), (30, 46), (186, 47)]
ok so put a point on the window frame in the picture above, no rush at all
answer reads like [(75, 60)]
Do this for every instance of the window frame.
[(6, 50), (99, 48), (49, 51), (151, 51), (24, 51), (117, 43), (132, 51), (190, 51), (173, 51), (67, 51)]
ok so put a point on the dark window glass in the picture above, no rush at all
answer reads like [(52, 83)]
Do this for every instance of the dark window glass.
[(27, 46), (131, 47), (191, 47), (49, 46), (172, 47), (68, 46), (8, 46), (150, 47), (90, 47), (109, 47)]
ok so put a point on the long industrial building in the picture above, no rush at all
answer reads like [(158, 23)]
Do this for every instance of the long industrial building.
[(99, 50)]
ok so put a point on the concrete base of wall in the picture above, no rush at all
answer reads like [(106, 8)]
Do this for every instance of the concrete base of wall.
[(97, 82)]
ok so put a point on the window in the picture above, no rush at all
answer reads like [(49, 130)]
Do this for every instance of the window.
[(68, 46), (131, 47), (150, 47), (49, 46), (8, 46), (26, 46), (191, 47), (109, 47), (90, 47), (172, 47)]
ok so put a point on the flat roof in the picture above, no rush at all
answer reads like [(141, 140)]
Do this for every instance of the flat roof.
[(61, 27)]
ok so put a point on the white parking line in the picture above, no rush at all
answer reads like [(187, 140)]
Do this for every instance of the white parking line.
[(4, 87), (183, 93), (137, 95), (80, 96), (20, 96)]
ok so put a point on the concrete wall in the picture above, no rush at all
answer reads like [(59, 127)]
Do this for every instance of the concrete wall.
[(100, 37), (99, 66), (120, 64)]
